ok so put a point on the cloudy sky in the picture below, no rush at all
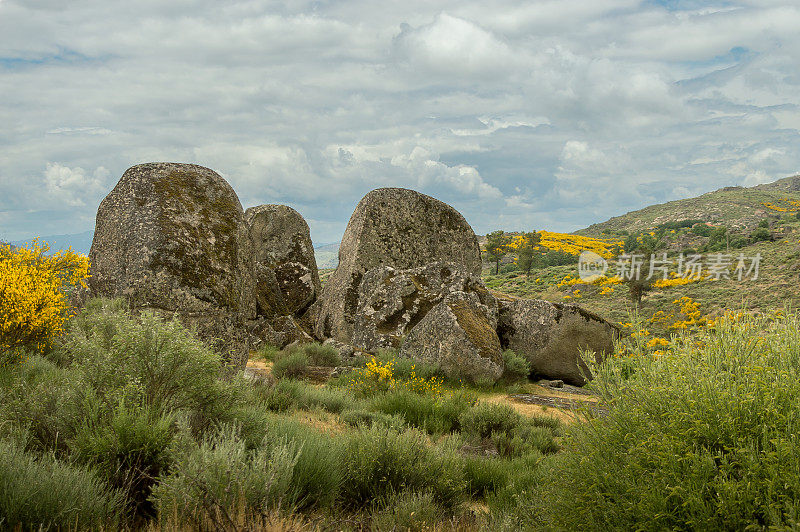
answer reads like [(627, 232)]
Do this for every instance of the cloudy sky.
[(522, 114)]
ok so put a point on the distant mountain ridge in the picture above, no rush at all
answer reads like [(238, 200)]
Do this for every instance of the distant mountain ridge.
[(327, 255), (735, 207), (80, 242)]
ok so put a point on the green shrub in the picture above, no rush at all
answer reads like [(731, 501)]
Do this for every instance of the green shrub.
[(219, 479), (144, 358), (41, 493), (517, 367), (285, 394), (268, 353), (483, 419), (433, 414), (760, 235), (46, 400), (703, 438), (130, 446), (318, 472), (292, 364), (361, 417), (322, 355), (329, 399), (378, 462), (524, 439), (486, 475), (411, 511)]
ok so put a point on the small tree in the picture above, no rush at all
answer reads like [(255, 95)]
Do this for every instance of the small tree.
[(527, 251), (497, 247), (33, 303), (645, 244)]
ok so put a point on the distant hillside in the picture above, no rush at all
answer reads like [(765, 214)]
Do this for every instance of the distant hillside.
[(735, 207), (327, 255), (80, 242)]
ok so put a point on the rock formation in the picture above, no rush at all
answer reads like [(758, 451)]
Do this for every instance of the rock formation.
[(551, 336), (172, 238), (282, 243), (459, 334), (392, 302), (392, 227)]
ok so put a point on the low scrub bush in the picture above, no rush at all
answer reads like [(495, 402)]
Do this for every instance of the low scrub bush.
[(145, 359), (322, 355), (130, 446), (361, 417), (485, 475), (42, 493), (486, 418), (318, 472), (286, 393), (510, 433), (433, 414), (291, 364), (702, 437), (219, 480), (411, 511), (378, 462), (516, 366)]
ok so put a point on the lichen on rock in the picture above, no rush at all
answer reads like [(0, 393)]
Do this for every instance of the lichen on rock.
[(393, 227), (172, 237)]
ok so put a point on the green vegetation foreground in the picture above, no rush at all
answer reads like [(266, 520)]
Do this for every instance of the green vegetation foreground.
[(130, 421)]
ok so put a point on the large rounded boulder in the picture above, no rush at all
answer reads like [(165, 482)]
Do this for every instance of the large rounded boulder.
[(172, 238), (552, 336), (392, 227), (282, 243)]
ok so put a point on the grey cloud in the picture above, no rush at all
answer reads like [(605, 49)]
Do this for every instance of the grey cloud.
[(522, 115)]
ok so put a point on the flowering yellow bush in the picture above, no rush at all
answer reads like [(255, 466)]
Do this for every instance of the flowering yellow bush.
[(380, 377), (675, 281), (687, 316), (574, 244), (789, 205), (599, 280), (658, 342), (33, 303)]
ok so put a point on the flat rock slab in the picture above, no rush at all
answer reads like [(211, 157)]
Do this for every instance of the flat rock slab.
[(562, 403)]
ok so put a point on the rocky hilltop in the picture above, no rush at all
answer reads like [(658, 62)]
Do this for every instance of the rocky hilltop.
[(173, 239), (736, 207)]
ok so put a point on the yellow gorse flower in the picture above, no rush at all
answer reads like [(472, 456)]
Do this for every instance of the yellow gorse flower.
[(33, 303), (377, 377), (575, 244)]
